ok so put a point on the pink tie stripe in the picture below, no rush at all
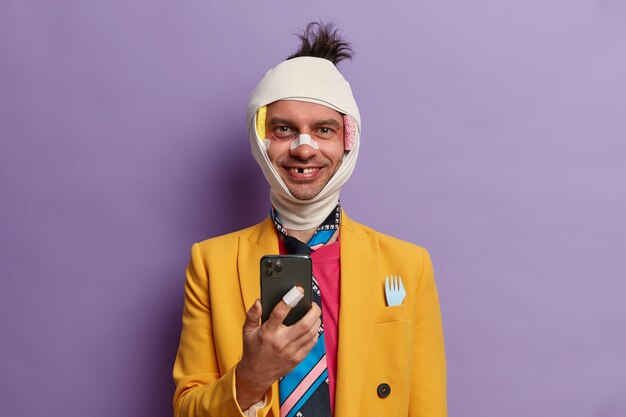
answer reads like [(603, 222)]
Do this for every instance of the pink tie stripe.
[(303, 386)]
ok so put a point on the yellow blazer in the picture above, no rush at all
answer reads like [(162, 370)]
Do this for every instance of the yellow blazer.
[(401, 346)]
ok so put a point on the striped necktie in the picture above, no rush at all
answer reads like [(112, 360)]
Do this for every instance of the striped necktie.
[(304, 392)]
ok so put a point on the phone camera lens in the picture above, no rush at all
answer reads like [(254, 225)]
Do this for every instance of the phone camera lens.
[(268, 263), (278, 268), (269, 272)]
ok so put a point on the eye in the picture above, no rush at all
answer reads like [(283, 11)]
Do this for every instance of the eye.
[(283, 132), (325, 132)]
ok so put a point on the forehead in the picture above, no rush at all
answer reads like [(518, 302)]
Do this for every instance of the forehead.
[(301, 111)]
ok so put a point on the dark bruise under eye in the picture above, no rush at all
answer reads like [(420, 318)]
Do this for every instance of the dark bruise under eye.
[(283, 131)]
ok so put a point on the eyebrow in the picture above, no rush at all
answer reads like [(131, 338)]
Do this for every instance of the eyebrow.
[(325, 122), (281, 121)]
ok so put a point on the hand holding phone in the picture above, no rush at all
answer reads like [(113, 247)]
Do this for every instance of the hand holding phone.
[(273, 349)]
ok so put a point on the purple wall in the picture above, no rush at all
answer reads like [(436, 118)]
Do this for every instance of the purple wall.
[(494, 130)]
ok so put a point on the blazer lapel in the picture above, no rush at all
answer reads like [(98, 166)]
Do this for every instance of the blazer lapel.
[(359, 268), (261, 241)]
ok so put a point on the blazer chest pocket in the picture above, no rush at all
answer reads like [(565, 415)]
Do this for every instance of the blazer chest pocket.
[(388, 314)]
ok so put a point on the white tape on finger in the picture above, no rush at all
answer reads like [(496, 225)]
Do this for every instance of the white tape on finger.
[(293, 297)]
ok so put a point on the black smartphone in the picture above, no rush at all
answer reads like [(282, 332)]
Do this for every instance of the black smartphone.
[(279, 273)]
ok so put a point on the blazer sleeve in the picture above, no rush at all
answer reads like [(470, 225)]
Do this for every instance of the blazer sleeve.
[(201, 389), (428, 389)]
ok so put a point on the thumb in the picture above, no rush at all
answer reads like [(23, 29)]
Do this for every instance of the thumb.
[(252, 317)]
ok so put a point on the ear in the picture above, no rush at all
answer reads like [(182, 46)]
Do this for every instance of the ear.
[(349, 132)]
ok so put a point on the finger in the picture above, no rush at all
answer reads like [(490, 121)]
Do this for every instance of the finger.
[(311, 320), (293, 296), (281, 309), (316, 309), (307, 339), (304, 334), (252, 317), (310, 317)]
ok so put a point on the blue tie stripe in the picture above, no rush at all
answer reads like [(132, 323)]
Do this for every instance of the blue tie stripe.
[(321, 236), (293, 378), (310, 391)]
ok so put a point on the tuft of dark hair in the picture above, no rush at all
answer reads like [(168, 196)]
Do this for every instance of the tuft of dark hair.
[(321, 40)]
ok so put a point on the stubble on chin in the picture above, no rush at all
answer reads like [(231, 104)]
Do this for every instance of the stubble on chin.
[(305, 195)]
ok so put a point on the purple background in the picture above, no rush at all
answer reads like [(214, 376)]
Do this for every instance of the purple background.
[(494, 135)]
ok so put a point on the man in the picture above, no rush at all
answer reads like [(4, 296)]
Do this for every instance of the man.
[(379, 351)]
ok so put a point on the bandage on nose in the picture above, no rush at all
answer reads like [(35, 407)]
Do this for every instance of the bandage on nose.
[(304, 139)]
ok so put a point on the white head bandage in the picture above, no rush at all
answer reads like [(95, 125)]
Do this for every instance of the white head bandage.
[(313, 80)]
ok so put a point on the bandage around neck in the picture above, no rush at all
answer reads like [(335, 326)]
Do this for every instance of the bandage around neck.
[(313, 80)]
